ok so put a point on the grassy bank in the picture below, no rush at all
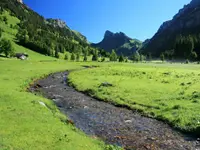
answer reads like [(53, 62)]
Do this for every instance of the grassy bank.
[(168, 92), (25, 124)]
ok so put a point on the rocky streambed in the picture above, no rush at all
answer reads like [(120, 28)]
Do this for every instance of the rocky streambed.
[(112, 124)]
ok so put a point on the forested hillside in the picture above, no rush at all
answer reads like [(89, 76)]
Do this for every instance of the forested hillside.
[(46, 36), (178, 38)]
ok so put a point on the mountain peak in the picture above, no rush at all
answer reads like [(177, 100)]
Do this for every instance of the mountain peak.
[(108, 33), (118, 34), (120, 42)]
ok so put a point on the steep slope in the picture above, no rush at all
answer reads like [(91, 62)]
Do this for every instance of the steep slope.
[(182, 29), (119, 42), (45, 36)]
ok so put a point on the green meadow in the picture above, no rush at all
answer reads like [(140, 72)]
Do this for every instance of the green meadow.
[(169, 92), (24, 122)]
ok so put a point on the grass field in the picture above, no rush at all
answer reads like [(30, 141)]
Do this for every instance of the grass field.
[(24, 122), (168, 92)]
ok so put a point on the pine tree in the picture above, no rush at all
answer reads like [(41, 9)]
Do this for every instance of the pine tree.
[(113, 56), (149, 57), (56, 54), (77, 57), (136, 57), (162, 57), (85, 57), (95, 55), (121, 58), (72, 57)]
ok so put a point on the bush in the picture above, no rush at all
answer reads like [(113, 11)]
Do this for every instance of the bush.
[(6, 48)]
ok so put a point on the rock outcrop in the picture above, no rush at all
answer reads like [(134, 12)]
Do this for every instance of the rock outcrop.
[(21, 1), (57, 23)]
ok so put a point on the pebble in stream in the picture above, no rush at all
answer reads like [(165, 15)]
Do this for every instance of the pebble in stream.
[(112, 124)]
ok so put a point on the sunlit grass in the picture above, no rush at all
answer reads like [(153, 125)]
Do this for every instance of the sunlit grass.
[(25, 124), (164, 91)]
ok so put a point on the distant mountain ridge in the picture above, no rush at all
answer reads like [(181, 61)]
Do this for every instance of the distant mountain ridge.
[(120, 42), (185, 24)]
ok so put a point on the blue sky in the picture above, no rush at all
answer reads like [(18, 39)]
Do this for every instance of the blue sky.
[(137, 18)]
